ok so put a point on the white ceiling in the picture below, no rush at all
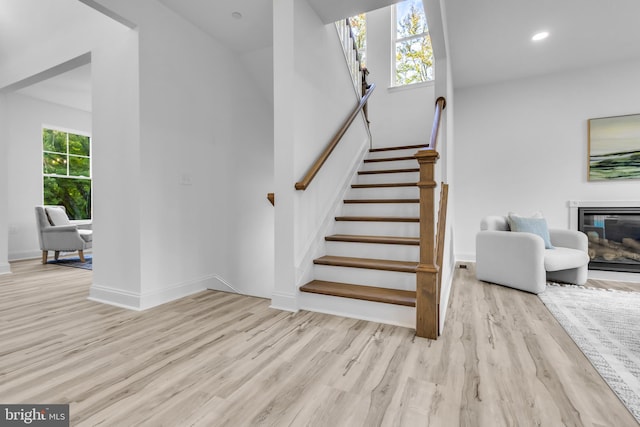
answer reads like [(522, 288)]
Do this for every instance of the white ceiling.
[(490, 40), (72, 89), (251, 32)]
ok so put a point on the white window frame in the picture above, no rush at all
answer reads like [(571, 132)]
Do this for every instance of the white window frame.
[(67, 154), (394, 42)]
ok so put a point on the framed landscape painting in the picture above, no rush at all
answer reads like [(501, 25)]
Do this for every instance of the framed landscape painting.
[(614, 148)]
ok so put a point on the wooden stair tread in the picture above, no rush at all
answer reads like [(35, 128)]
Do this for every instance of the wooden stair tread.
[(408, 170), (382, 201), (369, 263), (390, 159), (385, 185), (378, 218), (390, 240), (402, 147), (367, 293)]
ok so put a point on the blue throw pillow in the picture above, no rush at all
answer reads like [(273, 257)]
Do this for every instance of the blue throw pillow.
[(537, 226)]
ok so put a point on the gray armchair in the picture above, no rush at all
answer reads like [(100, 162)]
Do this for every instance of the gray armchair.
[(520, 260), (57, 233)]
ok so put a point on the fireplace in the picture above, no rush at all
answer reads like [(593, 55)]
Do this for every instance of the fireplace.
[(614, 237)]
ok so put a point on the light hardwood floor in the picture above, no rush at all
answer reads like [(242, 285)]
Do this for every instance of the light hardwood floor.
[(219, 359)]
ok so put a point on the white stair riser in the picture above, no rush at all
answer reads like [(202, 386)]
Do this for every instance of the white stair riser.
[(384, 193), (374, 250), (392, 153), (381, 178), (399, 229), (366, 276), (358, 309), (381, 209), (396, 164)]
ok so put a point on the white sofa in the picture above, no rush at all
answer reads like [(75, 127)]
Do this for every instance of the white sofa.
[(519, 260)]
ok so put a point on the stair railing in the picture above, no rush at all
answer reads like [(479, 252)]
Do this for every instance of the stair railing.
[(363, 92), (428, 271), (322, 158)]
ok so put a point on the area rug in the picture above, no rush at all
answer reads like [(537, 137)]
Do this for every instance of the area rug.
[(605, 325), (74, 262)]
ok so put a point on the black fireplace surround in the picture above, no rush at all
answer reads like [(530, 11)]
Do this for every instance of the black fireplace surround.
[(614, 237)]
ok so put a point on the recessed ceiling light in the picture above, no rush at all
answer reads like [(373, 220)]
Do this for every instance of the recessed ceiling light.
[(540, 36), (236, 15)]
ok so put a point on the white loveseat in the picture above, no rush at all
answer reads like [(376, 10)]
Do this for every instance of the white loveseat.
[(519, 260)]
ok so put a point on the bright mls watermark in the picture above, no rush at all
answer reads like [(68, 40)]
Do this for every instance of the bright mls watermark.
[(34, 415)]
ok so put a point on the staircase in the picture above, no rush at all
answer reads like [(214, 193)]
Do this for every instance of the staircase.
[(373, 252)]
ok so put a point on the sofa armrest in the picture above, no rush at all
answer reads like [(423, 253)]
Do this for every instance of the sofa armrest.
[(511, 259), (60, 229), (569, 239), (82, 224)]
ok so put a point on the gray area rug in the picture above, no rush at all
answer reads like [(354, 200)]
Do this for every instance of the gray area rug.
[(605, 325), (74, 262)]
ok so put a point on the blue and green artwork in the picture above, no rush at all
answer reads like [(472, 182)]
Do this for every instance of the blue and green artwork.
[(614, 148)]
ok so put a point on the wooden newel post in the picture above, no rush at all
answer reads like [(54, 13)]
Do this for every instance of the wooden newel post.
[(427, 297)]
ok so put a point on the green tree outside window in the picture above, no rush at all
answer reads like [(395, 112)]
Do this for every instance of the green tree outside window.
[(413, 51), (66, 169)]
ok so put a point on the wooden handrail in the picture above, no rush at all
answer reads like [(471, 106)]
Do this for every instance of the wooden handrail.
[(428, 271), (315, 167), (441, 104)]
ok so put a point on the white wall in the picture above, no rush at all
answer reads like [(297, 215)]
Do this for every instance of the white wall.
[(26, 118), (313, 95), (522, 145), (205, 164), (399, 116)]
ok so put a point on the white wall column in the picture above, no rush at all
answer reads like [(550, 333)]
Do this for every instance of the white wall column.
[(116, 171), (284, 293)]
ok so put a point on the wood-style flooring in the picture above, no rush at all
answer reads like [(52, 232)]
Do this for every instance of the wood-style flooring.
[(220, 359)]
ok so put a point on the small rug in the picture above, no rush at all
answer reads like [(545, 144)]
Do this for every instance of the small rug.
[(605, 325), (74, 262)]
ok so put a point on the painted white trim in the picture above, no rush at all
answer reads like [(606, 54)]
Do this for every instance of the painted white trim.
[(181, 290), (304, 269), (5, 269), (466, 257), (575, 204), (24, 255), (217, 283), (618, 276), (444, 297), (284, 301), (390, 314), (116, 297), (138, 302)]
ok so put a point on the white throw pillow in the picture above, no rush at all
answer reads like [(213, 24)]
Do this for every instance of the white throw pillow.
[(57, 216)]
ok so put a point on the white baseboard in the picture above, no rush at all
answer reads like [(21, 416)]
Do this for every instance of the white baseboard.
[(5, 269), (217, 283), (19, 256), (284, 301), (139, 302), (616, 276), (116, 297)]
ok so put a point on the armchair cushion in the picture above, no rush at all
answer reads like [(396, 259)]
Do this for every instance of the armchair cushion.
[(57, 215), (535, 225), (564, 258)]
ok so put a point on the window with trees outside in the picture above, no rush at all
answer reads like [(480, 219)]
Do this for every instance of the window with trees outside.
[(412, 48), (66, 170), (359, 28)]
